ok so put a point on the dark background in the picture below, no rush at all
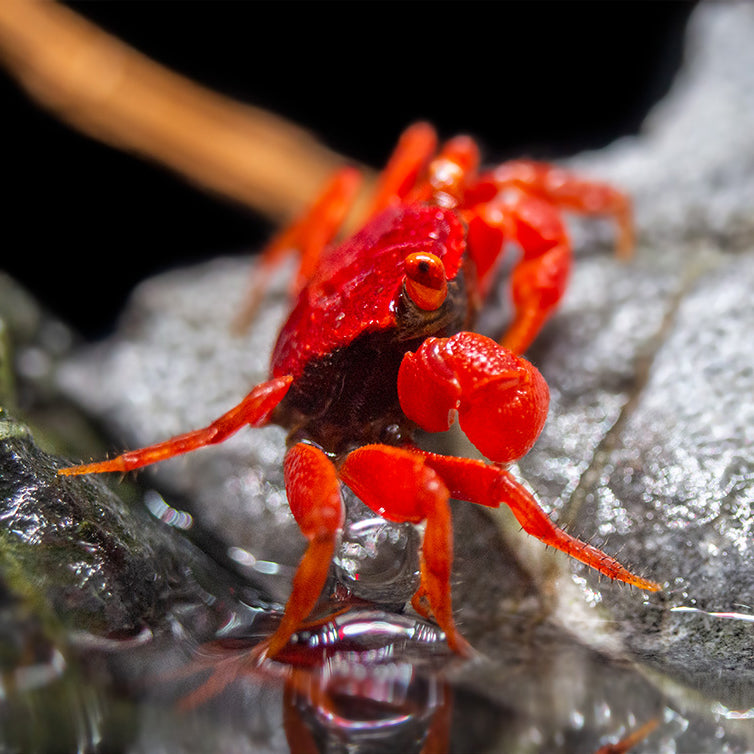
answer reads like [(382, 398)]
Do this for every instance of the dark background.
[(84, 222)]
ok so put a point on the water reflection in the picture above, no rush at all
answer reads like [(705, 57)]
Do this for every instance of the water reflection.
[(632, 739), (361, 680), (358, 681)]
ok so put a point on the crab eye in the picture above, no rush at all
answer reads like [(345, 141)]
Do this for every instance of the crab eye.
[(425, 280)]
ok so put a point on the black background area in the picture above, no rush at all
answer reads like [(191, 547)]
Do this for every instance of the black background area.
[(85, 222)]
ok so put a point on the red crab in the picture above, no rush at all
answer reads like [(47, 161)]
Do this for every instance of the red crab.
[(378, 344)]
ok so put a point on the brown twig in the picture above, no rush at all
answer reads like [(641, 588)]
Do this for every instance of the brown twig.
[(113, 93)]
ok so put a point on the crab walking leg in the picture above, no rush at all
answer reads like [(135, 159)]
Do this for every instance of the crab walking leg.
[(571, 192), (449, 174), (413, 175), (522, 202), (487, 484), (397, 484), (253, 410), (313, 490), (540, 277), (324, 220), (410, 158), (537, 284), (308, 235)]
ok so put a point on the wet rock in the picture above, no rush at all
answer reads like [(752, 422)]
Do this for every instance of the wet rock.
[(100, 567), (648, 448), (83, 576), (675, 491), (176, 364), (99, 564)]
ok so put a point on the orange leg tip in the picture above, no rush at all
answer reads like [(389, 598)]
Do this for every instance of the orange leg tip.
[(625, 241), (646, 584), (610, 567), (617, 572), (90, 468), (75, 470), (263, 651), (625, 244), (460, 646), (631, 740), (419, 603)]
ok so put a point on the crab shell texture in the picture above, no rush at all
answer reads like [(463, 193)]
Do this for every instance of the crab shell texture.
[(347, 335), (357, 284)]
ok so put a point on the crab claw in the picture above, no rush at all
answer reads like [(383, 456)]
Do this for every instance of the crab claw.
[(501, 400)]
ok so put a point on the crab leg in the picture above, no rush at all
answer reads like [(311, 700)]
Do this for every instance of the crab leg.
[(253, 410), (311, 484), (539, 278), (409, 159), (308, 235), (521, 202), (487, 484), (414, 175), (571, 192), (397, 484), (449, 173)]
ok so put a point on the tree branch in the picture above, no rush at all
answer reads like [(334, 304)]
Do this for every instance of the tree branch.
[(111, 92)]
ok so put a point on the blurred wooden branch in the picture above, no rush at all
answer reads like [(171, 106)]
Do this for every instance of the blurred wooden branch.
[(113, 93)]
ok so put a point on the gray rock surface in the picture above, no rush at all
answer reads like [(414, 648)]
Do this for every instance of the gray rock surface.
[(652, 371)]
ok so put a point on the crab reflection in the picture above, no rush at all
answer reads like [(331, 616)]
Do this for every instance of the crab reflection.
[(360, 674)]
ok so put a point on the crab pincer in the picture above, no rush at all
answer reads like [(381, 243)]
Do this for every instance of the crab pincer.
[(500, 398)]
